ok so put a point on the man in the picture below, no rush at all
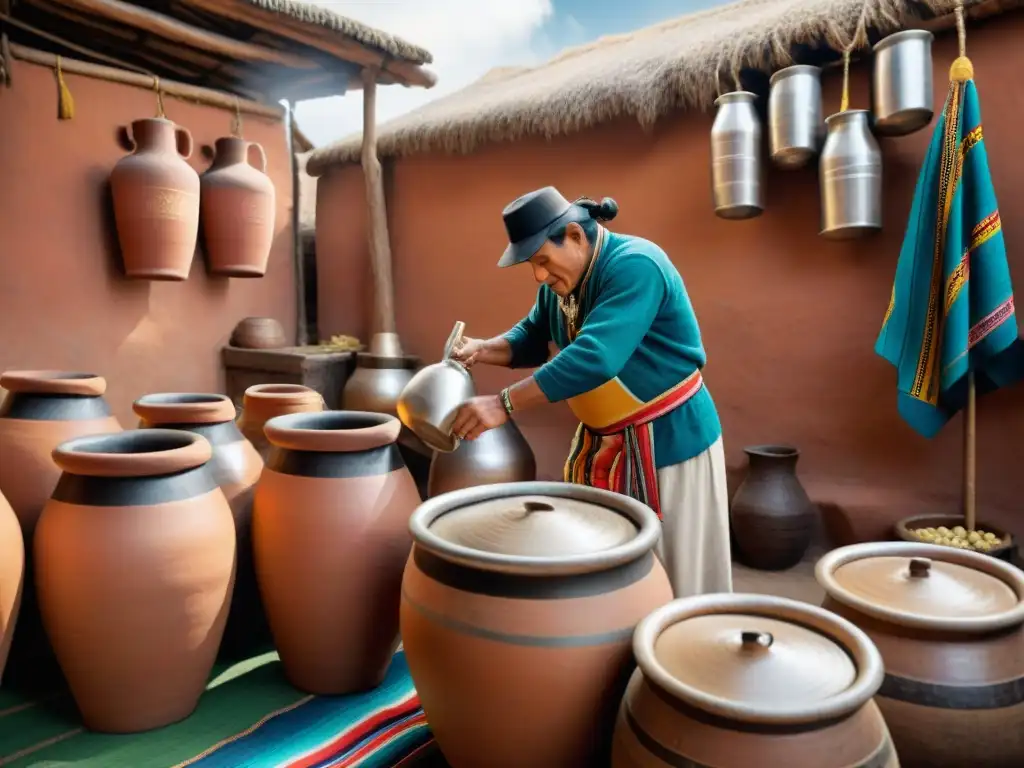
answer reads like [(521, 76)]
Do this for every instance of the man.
[(629, 368)]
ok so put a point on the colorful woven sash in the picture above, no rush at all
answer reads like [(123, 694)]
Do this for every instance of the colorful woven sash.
[(620, 457)]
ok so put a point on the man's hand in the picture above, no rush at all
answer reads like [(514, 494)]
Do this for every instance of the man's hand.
[(494, 351), (478, 415)]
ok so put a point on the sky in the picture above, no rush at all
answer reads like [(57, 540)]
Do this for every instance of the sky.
[(470, 37)]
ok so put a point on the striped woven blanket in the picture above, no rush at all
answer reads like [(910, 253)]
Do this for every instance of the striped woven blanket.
[(249, 717)]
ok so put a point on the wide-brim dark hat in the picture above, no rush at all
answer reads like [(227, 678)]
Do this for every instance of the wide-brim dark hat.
[(528, 220)]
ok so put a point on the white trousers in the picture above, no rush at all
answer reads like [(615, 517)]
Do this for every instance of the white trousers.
[(694, 546)]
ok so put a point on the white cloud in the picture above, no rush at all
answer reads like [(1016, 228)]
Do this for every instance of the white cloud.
[(466, 37)]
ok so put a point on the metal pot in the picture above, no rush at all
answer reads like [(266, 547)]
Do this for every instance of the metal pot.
[(736, 170), (901, 85), (499, 455), (851, 177), (796, 128)]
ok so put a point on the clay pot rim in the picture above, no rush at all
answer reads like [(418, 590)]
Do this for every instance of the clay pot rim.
[(281, 393), (1005, 572), (902, 529), (865, 655), (184, 408), (647, 523), (773, 451), (44, 382), (332, 431), (133, 453)]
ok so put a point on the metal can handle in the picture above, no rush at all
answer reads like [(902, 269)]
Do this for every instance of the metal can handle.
[(453, 339)]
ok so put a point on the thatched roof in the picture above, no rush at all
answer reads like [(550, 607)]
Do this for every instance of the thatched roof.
[(684, 62), (264, 50)]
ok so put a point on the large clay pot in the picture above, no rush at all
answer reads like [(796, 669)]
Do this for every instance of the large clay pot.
[(330, 538), (950, 626), (237, 209), (262, 402), (499, 455), (156, 201), (42, 410), (134, 561), (730, 681), (772, 517), (518, 607), (236, 466), (12, 577)]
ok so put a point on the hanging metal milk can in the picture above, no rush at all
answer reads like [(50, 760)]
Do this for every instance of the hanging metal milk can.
[(736, 172), (851, 177), (901, 85), (796, 128)]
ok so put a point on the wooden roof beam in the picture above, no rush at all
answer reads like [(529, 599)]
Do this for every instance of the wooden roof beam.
[(404, 72), (180, 32)]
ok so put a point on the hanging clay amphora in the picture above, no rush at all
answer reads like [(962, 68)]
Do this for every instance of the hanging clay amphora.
[(12, 577), (330, 535), (263, 402), (519, 603), (236, 465), (237, 206), (156, 201), (42, 409), (135, 562)]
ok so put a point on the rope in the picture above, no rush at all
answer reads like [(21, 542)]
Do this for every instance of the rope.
[(159, 97), (858, 34), (962, 69), (236, 122), (65, 101)]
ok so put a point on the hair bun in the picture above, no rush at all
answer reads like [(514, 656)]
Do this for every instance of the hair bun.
[(607, 210)]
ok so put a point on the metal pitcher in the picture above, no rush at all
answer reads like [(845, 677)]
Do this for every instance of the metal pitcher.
[(796, 128), (850, 174), (736, 172), (901, 86), (429, 402)]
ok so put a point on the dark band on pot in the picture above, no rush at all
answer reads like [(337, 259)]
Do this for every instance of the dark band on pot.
[(880, 758), (991, 696), (91, 491), (376, 461), (522, 587), (46, 407), (225, 433)]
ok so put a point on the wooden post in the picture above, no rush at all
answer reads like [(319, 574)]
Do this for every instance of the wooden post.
[(385, 339), (970, 456), (298, 254)]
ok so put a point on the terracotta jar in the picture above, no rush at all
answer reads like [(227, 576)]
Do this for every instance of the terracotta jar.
[(519, 603), (258, 333), (12, 576), (732, 681), (134, 561), (42, 409), (237, 209), (950, 626), (236, 466), (772, 517), (499, 455), (156, 201), (262, 402), (330, 538)]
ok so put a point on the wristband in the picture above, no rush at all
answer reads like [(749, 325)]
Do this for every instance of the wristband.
[(506, 400)]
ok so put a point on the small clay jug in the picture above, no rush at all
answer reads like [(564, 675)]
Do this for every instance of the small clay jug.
[(134, 562), (262, 402), (499, 455), (237, 209), (12, 577), (156, 201), (950, 627), (772, 517), (258, 333), (330, 539), (733, 681), (236, 465), (42, 409)]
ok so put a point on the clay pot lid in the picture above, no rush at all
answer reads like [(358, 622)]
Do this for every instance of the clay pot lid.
[(280, 393), (133, 453), (184, 408), (54, 383), (536, 528), (758, 659), (332, 431), (925, 586)]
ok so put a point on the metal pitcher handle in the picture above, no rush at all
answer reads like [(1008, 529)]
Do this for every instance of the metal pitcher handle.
[(453, 339)]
